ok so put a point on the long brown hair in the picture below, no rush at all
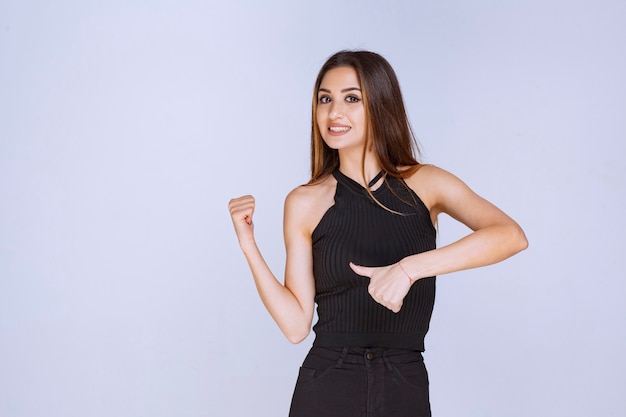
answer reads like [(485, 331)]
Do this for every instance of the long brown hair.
[(387, 126)]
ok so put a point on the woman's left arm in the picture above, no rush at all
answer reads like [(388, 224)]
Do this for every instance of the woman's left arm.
[(495, 237)]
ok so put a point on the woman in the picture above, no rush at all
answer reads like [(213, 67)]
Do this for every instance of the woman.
[(360, 242)]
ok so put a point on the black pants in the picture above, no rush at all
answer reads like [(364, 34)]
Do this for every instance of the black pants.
[(361, 382)]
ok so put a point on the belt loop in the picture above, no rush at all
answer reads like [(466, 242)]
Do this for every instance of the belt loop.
[(344, 352), (388, 364)]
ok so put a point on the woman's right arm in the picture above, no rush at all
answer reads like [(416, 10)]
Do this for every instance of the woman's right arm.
[(291, 305)]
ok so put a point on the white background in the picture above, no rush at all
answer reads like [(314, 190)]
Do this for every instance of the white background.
[(126, 126)]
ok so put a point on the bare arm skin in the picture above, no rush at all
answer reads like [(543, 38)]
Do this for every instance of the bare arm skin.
[(495, 237), (291, 305)]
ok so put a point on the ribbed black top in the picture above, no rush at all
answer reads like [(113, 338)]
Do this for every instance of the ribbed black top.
[(357, 229)]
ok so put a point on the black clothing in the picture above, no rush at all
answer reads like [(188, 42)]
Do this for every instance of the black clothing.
[(366, 361), (361, 382), (357, 229)]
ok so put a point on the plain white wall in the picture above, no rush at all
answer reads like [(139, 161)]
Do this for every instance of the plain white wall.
[(126, 126)]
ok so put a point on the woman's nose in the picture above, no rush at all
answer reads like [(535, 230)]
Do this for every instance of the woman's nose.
[(336, 112)]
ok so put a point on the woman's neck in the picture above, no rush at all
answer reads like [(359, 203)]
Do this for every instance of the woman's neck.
[(352, 166)]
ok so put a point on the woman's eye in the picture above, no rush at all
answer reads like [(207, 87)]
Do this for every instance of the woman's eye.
[(324, 99), (352, 99)]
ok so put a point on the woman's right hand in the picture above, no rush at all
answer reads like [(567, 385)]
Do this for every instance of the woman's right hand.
[(241, 211)]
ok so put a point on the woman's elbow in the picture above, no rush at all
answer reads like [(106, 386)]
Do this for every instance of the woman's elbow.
[(518, 239), (298, 327), (297, 336)]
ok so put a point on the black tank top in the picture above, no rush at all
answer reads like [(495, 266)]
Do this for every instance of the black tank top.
[(357, 229)]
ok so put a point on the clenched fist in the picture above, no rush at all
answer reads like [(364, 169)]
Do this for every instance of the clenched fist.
[(241, 211)]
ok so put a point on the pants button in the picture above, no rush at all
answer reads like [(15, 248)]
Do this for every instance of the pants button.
[(369, 356)]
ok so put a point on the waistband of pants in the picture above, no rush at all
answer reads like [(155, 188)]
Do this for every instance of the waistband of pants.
[(360, 355)]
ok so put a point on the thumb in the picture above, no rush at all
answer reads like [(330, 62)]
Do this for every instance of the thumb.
[(362, 270)]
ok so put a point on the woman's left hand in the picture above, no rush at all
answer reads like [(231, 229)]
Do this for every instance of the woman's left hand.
[(388, 284)]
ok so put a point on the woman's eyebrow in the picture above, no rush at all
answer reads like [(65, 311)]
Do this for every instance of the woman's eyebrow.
[(345, 90)]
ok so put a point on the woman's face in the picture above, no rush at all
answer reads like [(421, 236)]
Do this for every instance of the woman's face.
[(340, 112)]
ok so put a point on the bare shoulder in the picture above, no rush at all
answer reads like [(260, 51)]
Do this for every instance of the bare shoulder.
[(431, 183), (443, 192), (305, 205), (428, 172)]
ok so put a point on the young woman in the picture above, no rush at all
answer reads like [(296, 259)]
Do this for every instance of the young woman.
[(360, 241)]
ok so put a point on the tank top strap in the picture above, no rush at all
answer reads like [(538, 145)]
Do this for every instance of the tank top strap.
[(375, 179), (352, 184)]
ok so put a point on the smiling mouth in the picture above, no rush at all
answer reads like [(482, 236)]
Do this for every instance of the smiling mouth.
[(339, 129)]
